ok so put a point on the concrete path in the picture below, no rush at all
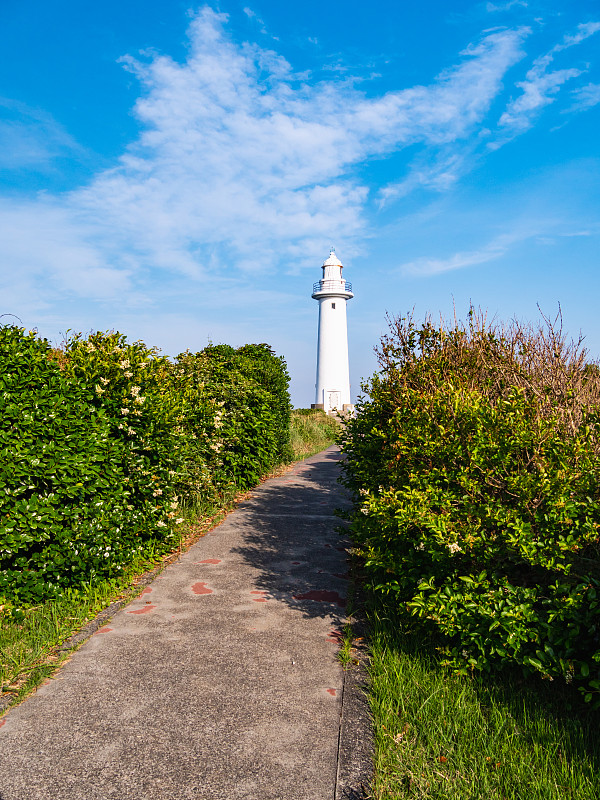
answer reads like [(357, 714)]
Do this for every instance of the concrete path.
[(220, 681)]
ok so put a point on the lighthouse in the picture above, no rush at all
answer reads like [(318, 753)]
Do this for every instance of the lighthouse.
[(333, 374)]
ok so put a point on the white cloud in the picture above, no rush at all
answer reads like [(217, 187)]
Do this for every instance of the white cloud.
[(585, 97), (254, 166), (539, 89), (470, 258), (438, 174), (584, 31), (30, 137), (241, 164), (525, 227), (540, 85), (493, 7), (52, 252)]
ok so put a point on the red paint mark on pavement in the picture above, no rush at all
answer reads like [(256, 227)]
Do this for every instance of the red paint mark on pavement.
[(296, 562), (143, 610), (258, 591), (335, 637), (332, 692), (2, 722), (147, 590), (322, 596), (260, 599), (209, 561), (201, 588), (105, 629)]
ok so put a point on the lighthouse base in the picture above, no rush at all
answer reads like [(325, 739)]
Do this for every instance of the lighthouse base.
[(347, 410)]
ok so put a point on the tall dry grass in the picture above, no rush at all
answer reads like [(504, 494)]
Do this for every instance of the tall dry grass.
[(493, 358)]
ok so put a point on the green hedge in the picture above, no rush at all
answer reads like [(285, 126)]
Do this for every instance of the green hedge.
[(476, 473), (102, 443)]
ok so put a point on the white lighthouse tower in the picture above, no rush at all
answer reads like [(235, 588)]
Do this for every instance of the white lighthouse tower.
[(333, 375)]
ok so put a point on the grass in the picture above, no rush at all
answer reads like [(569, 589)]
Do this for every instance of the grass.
[(312, 431), (451, 737), (30, 643)]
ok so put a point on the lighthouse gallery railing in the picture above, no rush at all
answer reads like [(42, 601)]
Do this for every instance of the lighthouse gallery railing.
[(321, 286)]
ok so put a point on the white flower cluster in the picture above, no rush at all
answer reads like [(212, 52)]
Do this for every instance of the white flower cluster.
[(454, 547)]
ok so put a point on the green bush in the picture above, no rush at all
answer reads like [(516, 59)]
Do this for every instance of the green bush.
[(234, 416), (104, 441), (475, 464)]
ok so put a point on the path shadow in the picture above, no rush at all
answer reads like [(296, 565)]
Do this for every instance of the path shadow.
[(295, 542)]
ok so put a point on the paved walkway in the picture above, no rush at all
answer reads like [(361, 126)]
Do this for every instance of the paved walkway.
[(220, 681)]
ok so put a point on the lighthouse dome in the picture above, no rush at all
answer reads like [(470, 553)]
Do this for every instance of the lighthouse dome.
[(332, 261)]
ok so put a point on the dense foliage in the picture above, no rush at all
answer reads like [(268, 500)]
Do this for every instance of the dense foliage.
[(102, 444), (475, 463)]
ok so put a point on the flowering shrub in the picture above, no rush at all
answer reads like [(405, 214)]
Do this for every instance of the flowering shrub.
[(103, 441), (476, 472), (233, 418)]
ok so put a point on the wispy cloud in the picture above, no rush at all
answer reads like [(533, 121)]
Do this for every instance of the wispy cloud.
[(30, 137), (495, 248), (438, 173), (243, 164), (584, 31), (545, 230), (541, 85), (585, 97), (493, 7), (252, 15)]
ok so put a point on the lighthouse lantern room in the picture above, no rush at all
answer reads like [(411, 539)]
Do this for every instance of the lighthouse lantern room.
[(333, 374)]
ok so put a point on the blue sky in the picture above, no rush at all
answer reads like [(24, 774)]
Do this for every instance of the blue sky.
[(179, 172)]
